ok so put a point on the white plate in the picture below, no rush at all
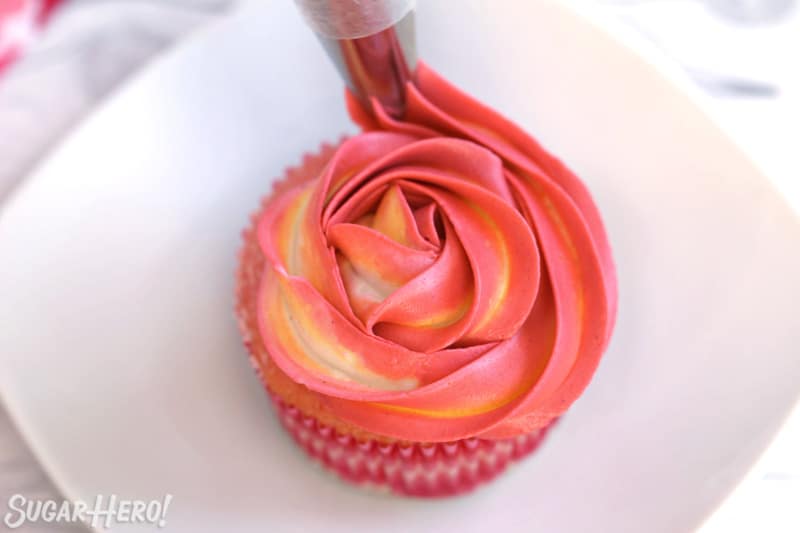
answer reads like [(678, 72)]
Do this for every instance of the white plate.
[(122, 365)]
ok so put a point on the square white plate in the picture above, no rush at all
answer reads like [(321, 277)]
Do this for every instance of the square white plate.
[(119, 355)]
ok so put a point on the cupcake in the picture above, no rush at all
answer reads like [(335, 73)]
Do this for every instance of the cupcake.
[(424, 300)]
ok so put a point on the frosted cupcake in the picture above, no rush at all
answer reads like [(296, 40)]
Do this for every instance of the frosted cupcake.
[(424, 300)]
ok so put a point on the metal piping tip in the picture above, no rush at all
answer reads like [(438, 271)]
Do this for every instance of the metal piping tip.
[(372, 44)]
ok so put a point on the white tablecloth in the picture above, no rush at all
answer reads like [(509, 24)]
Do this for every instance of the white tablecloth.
[(93, 45)]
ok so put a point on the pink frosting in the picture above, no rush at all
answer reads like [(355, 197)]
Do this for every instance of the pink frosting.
[(444, 277)]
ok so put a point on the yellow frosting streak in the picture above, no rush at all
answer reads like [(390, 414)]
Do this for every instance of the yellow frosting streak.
[(340, 181), (289, 230), (277, 311), (461, 412), (364, 283), (389, 218), (563, 232), (555, 216), (444, 318), (324, 350), (501, 290)]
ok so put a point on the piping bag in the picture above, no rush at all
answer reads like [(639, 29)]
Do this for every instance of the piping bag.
[(371, 43)]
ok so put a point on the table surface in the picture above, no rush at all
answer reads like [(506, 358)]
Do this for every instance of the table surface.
[(91, 47)]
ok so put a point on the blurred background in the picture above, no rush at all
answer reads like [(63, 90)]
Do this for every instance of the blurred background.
[(60, 58)]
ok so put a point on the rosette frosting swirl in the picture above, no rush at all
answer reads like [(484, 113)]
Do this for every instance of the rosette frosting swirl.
[(444, 277)]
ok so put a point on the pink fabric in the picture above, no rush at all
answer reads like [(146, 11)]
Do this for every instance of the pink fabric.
[(19, 22)]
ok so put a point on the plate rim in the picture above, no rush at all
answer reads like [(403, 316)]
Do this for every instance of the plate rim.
[(594, 15)]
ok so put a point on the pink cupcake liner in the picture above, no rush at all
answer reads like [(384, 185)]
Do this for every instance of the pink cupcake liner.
[(427, 470)]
